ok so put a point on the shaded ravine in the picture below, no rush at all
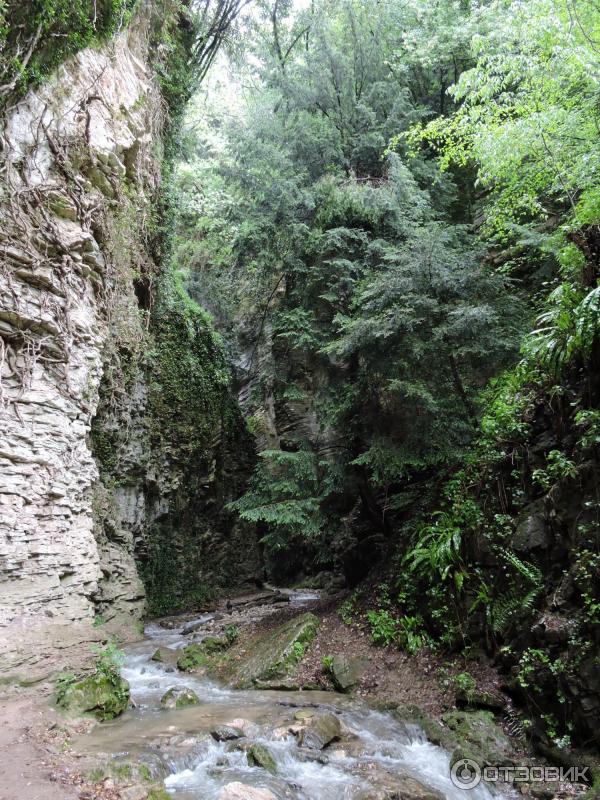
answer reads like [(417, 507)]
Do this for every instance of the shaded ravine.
[(177, 747)]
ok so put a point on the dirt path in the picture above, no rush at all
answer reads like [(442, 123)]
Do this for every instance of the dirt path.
[(30, 743)]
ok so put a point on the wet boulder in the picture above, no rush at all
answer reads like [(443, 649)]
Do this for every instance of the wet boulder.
[(163, 655), (241, 791), (304, 714), (105, 695), (387, 784), (287, 684), (179, 697), (260, 756), (323, 729), (244, 725), (226, 733), (196, 624), (311, 756)]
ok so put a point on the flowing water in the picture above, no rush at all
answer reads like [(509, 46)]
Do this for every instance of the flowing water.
[(177, 746)]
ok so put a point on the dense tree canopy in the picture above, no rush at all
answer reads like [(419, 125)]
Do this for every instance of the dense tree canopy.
[(356, 258), (391, 209)]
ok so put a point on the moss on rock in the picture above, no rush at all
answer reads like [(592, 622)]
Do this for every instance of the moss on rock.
[(179, 697), (103, 695), (192, 657), (260, 756), (276, 653)]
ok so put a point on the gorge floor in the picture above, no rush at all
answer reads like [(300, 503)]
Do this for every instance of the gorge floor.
[(52, 757)]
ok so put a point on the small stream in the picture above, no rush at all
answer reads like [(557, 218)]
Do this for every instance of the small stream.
[(178, 748)]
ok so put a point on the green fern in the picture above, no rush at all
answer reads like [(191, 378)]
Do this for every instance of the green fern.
[(513, 601), (525, 568), (509, 604), (568, 329)]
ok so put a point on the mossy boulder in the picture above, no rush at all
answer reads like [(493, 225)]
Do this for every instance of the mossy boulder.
[(276, 653), (465, 734), (214, 644), (101, 694), (192, 657), (493, 701), (477, 736), (260, 756), (179, 697), (323, 729)]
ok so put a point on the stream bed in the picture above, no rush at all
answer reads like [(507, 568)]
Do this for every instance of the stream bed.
[(375, 752)]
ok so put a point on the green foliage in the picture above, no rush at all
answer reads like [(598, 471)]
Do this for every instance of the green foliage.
[(519, 599), (109, 659), (383, 215), (531, 89), (588, 423), (385, 628), (347, 610), (532, 661), (327, 663), (568, 329), (298, 651), (405, 631), (342, 261), (586, 571), (559, 467), (285, 493), (231, 633), (464, 682), (37, 37)]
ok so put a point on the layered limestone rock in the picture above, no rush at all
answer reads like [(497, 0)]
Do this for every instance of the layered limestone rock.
[(79, 179)]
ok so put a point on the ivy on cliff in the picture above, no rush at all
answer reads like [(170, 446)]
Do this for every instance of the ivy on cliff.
[(37, 37), (188, 374)]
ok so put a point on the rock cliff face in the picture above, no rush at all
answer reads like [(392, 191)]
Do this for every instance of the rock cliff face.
[(80, 163), (77, 165)]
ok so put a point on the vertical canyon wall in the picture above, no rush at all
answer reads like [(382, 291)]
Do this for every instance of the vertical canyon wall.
[(79, 176), (80, 166)]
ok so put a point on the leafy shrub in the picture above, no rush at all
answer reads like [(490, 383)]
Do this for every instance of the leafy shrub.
[(464, 683), (231, 633), (384, 627), (348, 609)]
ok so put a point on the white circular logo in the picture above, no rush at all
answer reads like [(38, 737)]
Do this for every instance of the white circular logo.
[(465, 774)]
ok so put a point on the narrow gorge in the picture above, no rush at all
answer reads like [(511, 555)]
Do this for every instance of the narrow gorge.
[(299, 399)]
